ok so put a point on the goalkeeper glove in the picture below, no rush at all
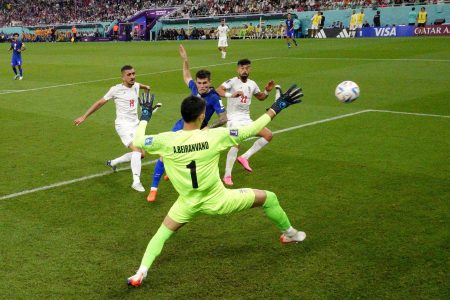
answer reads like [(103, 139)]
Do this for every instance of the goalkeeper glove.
[(146, 102), (292, 96)]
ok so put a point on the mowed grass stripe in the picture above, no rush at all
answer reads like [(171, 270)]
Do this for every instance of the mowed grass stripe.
[(43, 188), (67, 182)]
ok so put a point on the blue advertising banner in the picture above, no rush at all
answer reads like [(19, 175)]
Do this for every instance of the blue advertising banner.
[(389, 31)]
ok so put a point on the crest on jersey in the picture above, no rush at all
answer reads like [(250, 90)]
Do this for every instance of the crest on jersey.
[(148, 141), (234, 132)]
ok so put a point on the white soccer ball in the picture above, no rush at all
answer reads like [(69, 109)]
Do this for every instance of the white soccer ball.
[(347, 91)]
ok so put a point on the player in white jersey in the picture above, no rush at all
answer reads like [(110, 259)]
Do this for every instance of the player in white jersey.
[(222, 31), (125, 96), (239, 91)]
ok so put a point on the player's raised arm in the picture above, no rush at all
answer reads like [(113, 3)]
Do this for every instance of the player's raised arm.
[(186, 71), (268, 88), (90, 111)]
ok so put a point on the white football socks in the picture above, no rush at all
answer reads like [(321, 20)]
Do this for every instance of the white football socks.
[(261, 142), (224, 54), (122, 159), (231, 158), (136, 166), (143, 270)]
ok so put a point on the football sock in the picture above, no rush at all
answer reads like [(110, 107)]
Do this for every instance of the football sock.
[(157, 173), (275, 213), (261, 142), (136, 165), (14, 69), (155, 246), (231, 158), (20, 69), (122, 159), (295, 42)]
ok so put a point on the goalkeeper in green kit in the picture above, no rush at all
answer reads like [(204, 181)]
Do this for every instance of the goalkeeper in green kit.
[(191, 157)]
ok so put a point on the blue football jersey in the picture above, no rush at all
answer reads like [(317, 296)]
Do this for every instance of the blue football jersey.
[(17, 45), (289, 24)]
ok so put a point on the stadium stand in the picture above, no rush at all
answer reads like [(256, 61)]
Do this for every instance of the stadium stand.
[(34, 19), (40, 12)]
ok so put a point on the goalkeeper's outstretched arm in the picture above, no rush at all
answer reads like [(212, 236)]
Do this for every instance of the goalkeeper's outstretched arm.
[(146, 103), (292, 96)]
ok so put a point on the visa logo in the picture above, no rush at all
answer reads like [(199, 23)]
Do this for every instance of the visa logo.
[(387, 31)]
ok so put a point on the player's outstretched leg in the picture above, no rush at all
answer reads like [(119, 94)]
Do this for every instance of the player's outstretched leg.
[(231, 158), (153, 250), (266, 137), (295, 42), (121, 159), (277, 215), (157, 174)]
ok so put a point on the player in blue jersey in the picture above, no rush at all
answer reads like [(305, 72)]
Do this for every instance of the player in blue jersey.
[(200, 87), (17, 48), (290, 31)]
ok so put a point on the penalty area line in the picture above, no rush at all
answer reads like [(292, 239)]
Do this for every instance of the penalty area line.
[(67, 182), (368, 59)]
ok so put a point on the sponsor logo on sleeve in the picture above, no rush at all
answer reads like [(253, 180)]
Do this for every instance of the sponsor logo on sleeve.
[(234, 132)]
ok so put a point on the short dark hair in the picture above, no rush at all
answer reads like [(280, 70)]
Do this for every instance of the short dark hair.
[(202, 74), (15, 34), (192, 107), (126, 68), (244, 62)]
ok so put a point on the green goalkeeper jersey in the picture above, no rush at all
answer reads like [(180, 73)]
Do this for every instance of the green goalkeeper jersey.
[(191, 157)]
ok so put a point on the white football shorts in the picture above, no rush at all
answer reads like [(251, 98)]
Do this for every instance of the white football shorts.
[(313, 27), (126, 132), (223, 42), (239, 122)]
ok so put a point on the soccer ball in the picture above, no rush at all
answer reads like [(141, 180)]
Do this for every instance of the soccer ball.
[(347, 91)]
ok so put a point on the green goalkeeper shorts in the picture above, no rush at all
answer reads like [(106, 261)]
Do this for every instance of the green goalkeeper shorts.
[(227, 202)]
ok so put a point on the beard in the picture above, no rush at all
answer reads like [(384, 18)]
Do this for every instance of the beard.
[(243, 77)]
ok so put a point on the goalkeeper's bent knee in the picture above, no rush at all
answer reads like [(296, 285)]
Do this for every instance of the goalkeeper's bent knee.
[(271, 200)]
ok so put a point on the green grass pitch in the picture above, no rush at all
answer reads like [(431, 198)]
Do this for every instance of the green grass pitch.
[(371, 190)]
